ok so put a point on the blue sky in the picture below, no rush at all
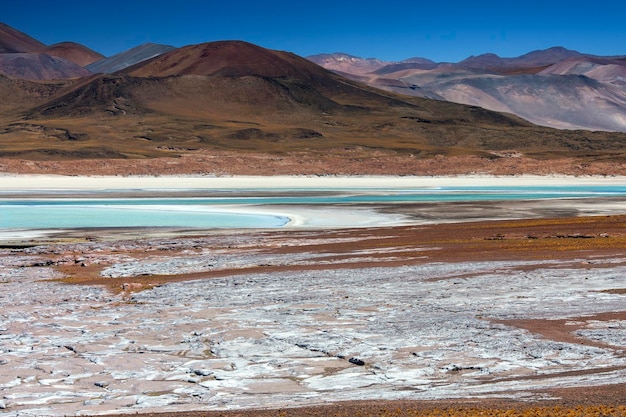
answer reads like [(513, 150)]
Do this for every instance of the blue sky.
[(386, 29)]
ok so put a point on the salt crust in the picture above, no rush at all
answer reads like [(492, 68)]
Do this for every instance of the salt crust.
[(24, 183)]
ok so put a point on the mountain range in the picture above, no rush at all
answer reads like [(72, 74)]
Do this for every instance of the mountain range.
[(555, 87), (156, 100)]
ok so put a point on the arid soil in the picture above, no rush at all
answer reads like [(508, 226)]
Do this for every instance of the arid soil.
[(333, 162)]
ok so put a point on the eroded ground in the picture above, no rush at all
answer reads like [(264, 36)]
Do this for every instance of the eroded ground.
[(232, 320)]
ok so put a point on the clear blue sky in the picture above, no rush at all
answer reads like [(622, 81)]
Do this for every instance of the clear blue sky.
[(387, 29)]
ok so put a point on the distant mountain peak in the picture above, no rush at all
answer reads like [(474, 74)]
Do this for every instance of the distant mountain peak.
[(418, 60), (74, 52), (548, 56), (483, 61), (343, 62)]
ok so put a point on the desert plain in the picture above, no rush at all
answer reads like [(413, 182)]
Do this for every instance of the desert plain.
[(390, 309)]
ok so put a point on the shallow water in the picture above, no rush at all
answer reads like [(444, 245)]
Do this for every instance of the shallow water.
[(224, 211)]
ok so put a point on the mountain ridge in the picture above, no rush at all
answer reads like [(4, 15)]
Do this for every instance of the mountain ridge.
[(128, 58), (14, 41), (503, 84)]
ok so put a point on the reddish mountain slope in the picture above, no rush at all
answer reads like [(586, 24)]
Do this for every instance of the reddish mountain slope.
[(257, 71), (75, 52), (12, 40), (229, 59), (221, 79)]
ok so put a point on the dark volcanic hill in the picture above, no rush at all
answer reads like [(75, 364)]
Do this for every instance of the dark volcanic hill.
[(128, 58), (18, 94), (74, 52)]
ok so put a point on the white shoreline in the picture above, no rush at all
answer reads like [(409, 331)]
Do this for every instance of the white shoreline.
[(28, 183)]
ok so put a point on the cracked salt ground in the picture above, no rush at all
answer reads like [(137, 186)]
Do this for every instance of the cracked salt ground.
[(612, 332), (252, 340)]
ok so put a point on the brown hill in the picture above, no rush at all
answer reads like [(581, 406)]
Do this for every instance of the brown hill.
[(12, 41), (206, 79), (232, 59), (241, 98), (19, 94), (75, 52)]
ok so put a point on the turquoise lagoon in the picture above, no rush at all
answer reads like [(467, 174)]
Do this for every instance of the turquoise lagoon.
[(236, 209)]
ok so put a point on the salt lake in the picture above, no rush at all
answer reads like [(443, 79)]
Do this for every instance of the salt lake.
[(271, 208)]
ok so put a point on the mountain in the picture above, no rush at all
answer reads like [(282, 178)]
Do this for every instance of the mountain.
[(74, 52), (565, 102), (555, 87), (220, 79), (484, 61), (544, 57), (33, 66), (128, 58), (229, 59), (531, 62), (407, 64), (346, 63), (22, 56), (12, 41), (601, 69)]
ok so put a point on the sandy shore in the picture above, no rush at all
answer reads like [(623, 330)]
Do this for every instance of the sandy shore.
[(26, 183)]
